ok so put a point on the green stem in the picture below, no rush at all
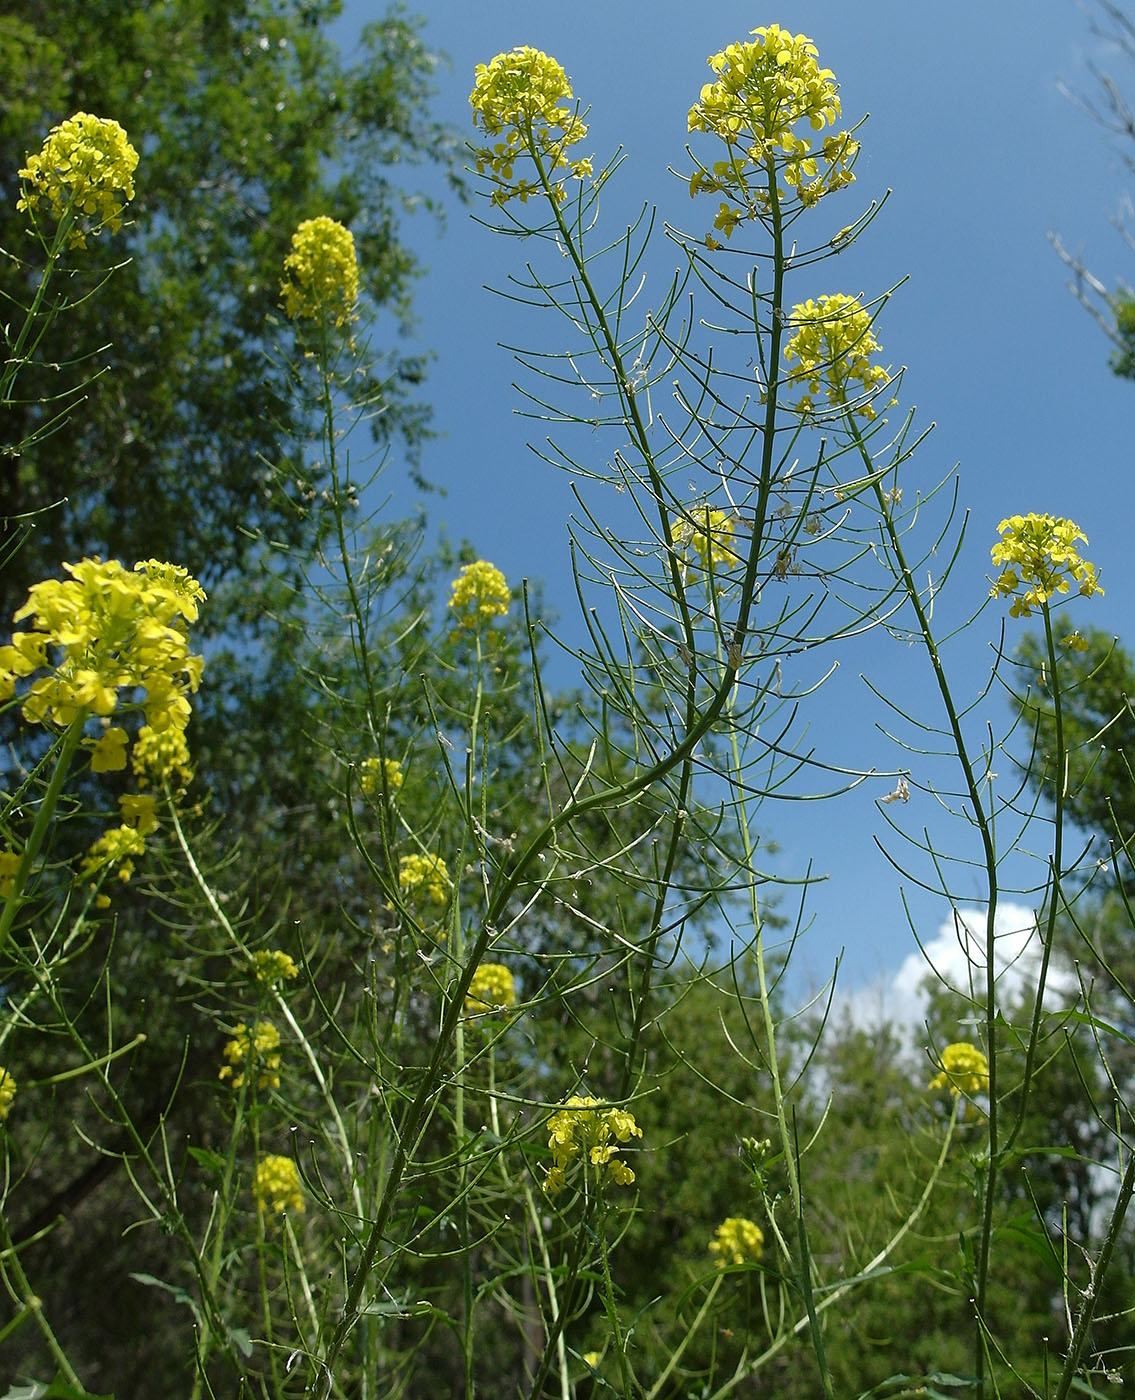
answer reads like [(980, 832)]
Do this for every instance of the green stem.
[(989, 853), (45, 814), (22, 1293), (1091, 1295)]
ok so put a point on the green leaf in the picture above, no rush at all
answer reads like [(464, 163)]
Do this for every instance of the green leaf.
[(57, 1390)]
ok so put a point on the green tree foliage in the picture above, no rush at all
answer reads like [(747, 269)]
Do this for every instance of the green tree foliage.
[(1111, 108), (248, 120)]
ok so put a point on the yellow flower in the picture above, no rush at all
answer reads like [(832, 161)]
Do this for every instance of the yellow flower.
[(114, 631), (710, 533), (109, 752), (519, 97), (762, 91), (492, 989), (588, 1130), (1041, 559), (737, 1241), (138, 812), (478, 594), (85, 172), (834, 342), (273, 966), (277, 1187), (373, 770), (115, 848), (323, 273), (965, 1070), (425, 874), (260, 1047), (7, 1093)]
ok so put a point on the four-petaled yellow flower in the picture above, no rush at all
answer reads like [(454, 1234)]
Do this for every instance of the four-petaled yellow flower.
[(1041, 560), (372, 772), (833, 342), (260, 1047), (7, 1093), (108, 754), (323, 273), (965, 1070), (478, 594), (492, 989), (277, 1187), (426, 875), (84, 173), (589, 1130), (272, 966), (761, 93), (519, 97), (737, 1241)]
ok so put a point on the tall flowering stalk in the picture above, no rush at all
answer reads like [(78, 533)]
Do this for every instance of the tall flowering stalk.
[(81, 180)]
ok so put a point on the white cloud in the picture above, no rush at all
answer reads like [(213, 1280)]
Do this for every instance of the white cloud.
[(955, 956)]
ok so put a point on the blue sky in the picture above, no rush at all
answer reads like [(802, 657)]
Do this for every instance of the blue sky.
[(984, 156)]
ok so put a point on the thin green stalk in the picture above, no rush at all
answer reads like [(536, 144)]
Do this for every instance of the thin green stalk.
[(536, 1224), (612, 1309), (1091, 1295), (746, 1368), (1056, 872), (44, 816), (989, 854), (15, 358), (21, 1292), (224, 1199)]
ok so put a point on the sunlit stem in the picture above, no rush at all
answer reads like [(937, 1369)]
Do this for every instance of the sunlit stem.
[(989, 856)]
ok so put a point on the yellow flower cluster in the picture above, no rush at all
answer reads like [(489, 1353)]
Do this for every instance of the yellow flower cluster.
[(833, 343), (519, 97), (277, 1187), (965, 1070), (373, 770), (323, 273), (7, 1093), (478, 594), (161, 757), (425, 874), (261, 1047), (272, 966), (737, 1241), (710, 534), (589, 1130), (119, 848), (761, 93), (85, 172), (115, 631), (492, 989), (1041, 560)]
